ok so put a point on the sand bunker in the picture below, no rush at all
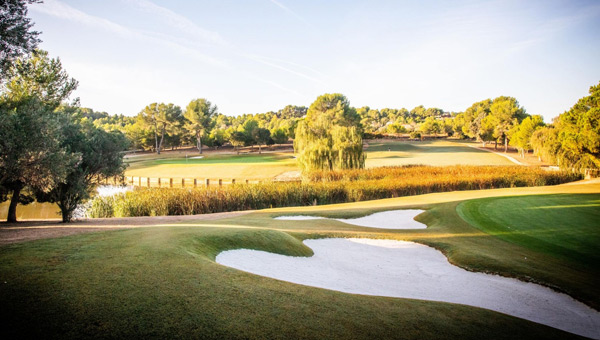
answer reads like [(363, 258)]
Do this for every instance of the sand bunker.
[(197, 157), (411, 270), (393, 219)]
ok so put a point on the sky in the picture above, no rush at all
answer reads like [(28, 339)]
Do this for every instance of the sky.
[(254, 56)]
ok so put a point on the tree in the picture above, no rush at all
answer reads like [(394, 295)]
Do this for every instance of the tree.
[(159, 118), (545, 143), (16, 37), (505, 113), (99, 156), (330, 137), (237, 139), (579, 133), (520, 135), (261, 136), (279, 136), (199, 116), (473, 120), (430, 126), (40, 76), (31, 155)]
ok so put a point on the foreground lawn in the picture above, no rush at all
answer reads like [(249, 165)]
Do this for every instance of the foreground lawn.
[(162, 282)]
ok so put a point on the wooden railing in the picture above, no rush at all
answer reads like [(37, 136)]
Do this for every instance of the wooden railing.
[(179, 182)]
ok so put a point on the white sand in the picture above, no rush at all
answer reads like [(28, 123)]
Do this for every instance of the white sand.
[(197, 157), (393, 219), (411, 270)]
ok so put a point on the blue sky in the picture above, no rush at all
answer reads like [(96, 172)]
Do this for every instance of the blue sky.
[(251, 56)]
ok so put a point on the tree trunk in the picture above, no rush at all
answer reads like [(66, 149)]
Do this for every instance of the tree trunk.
[(156, 138), (496, 144), (65, 212), (505, 144), (12, 208), (199, 143), (162, 138), (259, 148)]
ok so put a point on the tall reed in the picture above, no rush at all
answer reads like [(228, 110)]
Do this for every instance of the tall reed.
[(322, 188)]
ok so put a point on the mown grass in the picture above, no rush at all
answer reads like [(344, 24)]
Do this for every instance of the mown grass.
[(255, 166), (323, 188), (162, 282), (435, 153), (270, 165), (566, 226)]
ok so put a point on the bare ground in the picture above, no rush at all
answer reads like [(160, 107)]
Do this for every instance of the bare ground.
[(40, 229)]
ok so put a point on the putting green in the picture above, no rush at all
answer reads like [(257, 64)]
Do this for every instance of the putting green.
[(564, 225)]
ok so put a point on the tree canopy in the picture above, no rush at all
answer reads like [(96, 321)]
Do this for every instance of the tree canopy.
[(199, 116), (330, 137), (16, 36)]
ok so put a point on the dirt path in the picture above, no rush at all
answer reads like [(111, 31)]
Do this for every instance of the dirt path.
[(37, 229)]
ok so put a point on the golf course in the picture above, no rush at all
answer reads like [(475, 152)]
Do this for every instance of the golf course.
[(269, 165), (162, 280), (307, 170)]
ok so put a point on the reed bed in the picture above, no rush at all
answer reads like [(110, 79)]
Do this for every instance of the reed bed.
[(322, 188)]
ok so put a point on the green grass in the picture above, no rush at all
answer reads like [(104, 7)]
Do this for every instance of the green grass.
[(162, 282), (436, 153), (269, 165), (255, 166), (566, 226)]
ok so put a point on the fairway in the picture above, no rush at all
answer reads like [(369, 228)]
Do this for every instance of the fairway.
[(253, 167), (436, 153), (270, 165), (163, 282)]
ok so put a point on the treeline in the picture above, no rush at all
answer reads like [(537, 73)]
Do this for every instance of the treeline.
[(571, 141), (162, 126)]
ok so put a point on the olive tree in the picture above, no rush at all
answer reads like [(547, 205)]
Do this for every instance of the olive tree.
[(99, 156), (32, 157)]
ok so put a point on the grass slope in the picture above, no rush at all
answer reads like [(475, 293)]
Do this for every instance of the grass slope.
[(162, 282), (566, 226)]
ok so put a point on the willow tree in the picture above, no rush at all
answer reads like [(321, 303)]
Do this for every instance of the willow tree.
[(199, 118), (330, 136)]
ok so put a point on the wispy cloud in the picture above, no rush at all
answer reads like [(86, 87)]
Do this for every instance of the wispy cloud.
[(61, 10), (186, 25), (178, 21), (184, 46), (264, 61), (287, 9)]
